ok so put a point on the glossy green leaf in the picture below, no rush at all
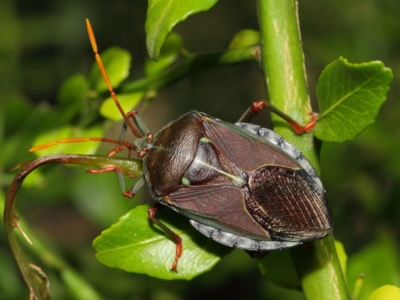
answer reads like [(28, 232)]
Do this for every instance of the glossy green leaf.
[(109, 110), (135, 245), (244, 38), (349, 97), (71, 96), (117, 62), (68, 148), (169, 54), (386, 292), (163, 15)]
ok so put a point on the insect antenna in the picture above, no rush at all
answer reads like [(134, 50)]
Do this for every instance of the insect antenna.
[(126, 116), (120, 144), (107, 80)]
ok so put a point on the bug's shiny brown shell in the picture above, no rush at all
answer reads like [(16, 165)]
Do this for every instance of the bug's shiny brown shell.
[(237, 182)]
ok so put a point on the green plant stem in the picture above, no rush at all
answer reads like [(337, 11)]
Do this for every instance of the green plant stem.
[(191, 64), (282, 61)]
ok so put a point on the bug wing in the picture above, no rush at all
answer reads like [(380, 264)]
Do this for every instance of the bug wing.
[(245, 149), (289, 204), (218, 206), (284, 198)]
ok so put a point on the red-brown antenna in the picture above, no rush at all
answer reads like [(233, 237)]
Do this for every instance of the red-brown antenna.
[(120, 144), (107, 80)]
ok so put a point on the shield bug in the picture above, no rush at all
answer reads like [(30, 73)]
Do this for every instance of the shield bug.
[(239, 184)]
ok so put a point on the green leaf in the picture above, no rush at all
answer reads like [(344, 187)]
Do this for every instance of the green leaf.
[(169, 54), (386, 292), (109, 110), (349, 97), (135, 245), (163, 15), (117, 63), (244, 38)]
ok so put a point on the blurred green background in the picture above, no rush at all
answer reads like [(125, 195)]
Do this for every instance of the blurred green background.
[(44, 43)]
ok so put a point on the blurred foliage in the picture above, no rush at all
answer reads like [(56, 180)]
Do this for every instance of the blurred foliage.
[(44, 46)]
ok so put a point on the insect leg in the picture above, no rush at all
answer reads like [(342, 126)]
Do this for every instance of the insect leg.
[(175, 238), (141, 126), (122, 135), (120, 173), (255, 108), (137, 186)]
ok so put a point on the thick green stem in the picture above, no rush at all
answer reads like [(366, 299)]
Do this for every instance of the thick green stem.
[(283, 65)]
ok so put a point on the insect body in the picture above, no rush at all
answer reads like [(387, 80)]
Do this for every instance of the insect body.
[(241, 185)]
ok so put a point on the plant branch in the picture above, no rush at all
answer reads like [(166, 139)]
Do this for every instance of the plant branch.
[(192, 63), (282, 61)]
